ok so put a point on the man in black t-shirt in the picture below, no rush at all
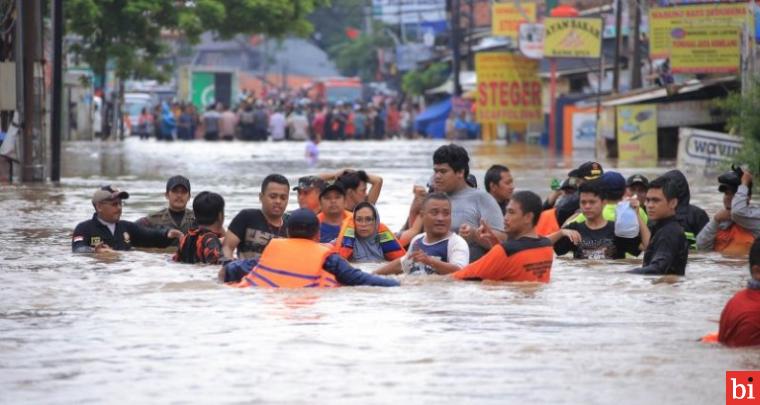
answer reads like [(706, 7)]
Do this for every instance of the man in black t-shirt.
[(595, 238), (252, 229)]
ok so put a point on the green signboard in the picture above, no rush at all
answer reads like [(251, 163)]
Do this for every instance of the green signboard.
[(202, 89)]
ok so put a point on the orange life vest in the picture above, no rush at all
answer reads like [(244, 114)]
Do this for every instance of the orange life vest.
[(291, 263), (734, 241), (547, 223)]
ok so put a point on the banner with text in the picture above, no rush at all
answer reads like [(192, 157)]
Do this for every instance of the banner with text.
[(509, 89), (572, 37), (713, 49), (706, 149), (507, 17), (637, 132), (668, 24)]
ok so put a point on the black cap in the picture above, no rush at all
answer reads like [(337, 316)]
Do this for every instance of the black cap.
[(587, 171), (335, 186), (303, 223), (569, 184), (729, 181), (307, 182), (637, 179), (178, 181)]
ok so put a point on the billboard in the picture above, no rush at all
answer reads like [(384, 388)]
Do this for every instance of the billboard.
[(572, 37), (637, 132), (508, 89), (708, 49), (507, 17)]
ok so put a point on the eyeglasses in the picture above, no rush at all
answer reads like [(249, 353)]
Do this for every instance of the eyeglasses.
[(364, 220)]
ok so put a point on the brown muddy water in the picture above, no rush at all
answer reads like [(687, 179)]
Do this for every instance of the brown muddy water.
[(137, 328)]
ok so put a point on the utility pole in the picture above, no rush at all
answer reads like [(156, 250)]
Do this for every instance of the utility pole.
[(618, 45), (56, 105), (636, 56), (30, 50), (455, 49)]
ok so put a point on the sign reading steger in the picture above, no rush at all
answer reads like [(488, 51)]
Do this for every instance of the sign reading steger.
[(509, 89)]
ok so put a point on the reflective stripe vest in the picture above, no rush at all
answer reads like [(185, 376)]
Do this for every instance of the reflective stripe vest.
[(291, 263), (735, 241)]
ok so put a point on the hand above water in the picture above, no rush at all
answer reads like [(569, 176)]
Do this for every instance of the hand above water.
[(485, 233), (573, 235), (102, 248), (174, 234)]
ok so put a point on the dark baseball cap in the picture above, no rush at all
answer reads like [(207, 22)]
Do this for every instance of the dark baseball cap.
[(106, 193), (729, 181), (307, 182), (303, 223), (178, 181), (569, 184), (334, 186), (613, 181), (637, 179), (587, 171)]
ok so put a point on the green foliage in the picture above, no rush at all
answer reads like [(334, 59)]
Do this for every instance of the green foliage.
[(743, 118), (330, 22), (417, 82), (128, 32), (359, 57)]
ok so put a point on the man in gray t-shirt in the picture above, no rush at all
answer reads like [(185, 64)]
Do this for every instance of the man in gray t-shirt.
[(469, 206)]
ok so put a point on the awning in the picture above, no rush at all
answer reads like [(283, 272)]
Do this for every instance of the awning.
[(432, 121), (639, 96)]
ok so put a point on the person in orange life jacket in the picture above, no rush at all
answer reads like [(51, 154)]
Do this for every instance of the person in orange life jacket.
[(107, 232), (252, 229), (740, 319), (668, 247), (333, 213), (547, 222), (438, 250), (308, 190), (365, 239), (524, 256), (293, 270), (722, 233), (203, 244), (500, 184), (637, 185), (596, 237)]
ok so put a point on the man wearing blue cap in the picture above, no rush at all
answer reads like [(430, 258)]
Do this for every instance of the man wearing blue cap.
[(298, 261)]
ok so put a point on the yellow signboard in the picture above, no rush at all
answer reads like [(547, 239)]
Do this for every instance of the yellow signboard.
[(509, 89), (637, 132), (714, 49), (572, 37), (667, 24), (507, 17)]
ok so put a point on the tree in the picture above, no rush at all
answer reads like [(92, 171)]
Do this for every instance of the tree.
[(742, 117), (359, 57), (129, 31), (417, 82)]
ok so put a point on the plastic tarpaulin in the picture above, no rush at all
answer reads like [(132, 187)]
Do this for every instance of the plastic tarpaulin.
[(432, 121)]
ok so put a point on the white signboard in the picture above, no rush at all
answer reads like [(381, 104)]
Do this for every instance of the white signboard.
[(531, 40), (706, 149), (409, 11)]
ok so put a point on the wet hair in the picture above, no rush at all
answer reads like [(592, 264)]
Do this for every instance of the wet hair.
[(351, 180), (453, 155), (274, 178), (592, 187), (493, 175), (207, 206), (436, 196), (666, 185), (529, 202), (754, 254)]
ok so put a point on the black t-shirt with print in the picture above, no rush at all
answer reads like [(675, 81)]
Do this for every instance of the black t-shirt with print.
[(597, 243), (254, 232)]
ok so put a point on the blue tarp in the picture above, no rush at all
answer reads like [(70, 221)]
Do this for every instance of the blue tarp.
[(432, 121)]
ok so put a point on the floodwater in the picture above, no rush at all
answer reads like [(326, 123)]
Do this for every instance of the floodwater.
[(136, 328)]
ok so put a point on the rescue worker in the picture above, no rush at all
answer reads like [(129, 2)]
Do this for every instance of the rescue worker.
[(107, 232), (524, 256), (299, 261), (308, 190), (730, 233), (547, 222), (203, 244), (691, 217), (668, 247), (500, 184), (740, 319), (176, 215)]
